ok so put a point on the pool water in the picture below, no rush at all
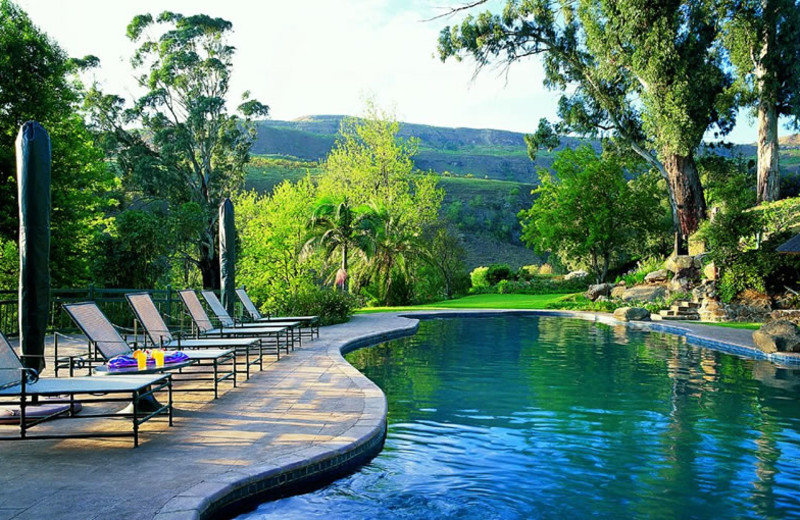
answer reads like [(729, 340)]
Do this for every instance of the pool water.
[(540, 417)]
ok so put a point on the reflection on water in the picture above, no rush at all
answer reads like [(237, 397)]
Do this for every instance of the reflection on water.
[(522, 417)]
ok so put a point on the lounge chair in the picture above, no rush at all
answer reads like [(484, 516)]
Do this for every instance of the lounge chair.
[(204, 327), (309, 323), (22, 387), (225, 319), (146, 312), (109, 344)]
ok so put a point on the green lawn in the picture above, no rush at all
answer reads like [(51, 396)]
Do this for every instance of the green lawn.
[(735, 325), (482, 301)]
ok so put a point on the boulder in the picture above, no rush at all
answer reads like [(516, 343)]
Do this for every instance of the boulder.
[(713, 310), (689, 273), (601, 289), (680, 285), (576, 274), (778, 336), (676, 263), (656, 276), (618, 291), (710, 271), (645, 293), (632, 314)]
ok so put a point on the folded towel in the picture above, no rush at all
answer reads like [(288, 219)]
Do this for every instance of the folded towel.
[(170, 357)]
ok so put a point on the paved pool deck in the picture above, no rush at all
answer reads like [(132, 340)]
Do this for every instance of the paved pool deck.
[(306, 418)]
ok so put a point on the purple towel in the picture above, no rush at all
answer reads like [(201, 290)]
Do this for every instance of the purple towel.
[(175, 356)]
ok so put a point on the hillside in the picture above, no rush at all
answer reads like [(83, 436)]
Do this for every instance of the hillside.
[(483, 153), (484, 211)]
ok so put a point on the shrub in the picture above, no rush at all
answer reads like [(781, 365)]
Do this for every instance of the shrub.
[(546, 269), (643, 268), (332, 306), (504, 287), (527, 272), (497, 272), (478, 277), (580, 302)]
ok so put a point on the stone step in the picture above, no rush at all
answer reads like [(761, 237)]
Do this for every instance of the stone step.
[(660, 317), (679, 315), (682, 309), (686, 304)]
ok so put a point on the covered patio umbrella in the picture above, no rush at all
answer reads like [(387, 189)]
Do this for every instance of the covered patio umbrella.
[(227, 255), (33, 181)]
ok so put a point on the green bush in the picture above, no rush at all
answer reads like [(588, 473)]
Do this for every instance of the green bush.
[(332, 306), (478, 277), (498, 272), (580, 302), (504, 287), (643, 268)]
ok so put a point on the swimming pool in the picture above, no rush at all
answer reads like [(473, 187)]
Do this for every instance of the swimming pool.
[(543, 417)]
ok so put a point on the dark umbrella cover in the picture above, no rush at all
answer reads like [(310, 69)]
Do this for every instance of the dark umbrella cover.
[(227, 255), (33, 182)]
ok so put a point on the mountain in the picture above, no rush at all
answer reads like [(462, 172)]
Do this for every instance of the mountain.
[(483, 153)]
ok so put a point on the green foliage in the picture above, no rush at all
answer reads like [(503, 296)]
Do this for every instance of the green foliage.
[(651, 73), (36, 84), (272, 231), (537, 285), (579, 302), (498, 272), (643, 268), (443, 252), (478, 277), (587, 212), (330, 305), (133, 252), (9, 265), (185, 146), (371, 166)]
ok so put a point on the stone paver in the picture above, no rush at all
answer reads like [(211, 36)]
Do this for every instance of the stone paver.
[(302, 415)]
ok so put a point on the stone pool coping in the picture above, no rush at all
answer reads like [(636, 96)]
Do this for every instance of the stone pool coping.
[(307, 418)]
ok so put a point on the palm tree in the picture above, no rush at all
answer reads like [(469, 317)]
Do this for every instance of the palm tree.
[(336, 225)]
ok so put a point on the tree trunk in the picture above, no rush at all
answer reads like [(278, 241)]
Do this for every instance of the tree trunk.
[(209, 267), (769, 174), (687, 192)]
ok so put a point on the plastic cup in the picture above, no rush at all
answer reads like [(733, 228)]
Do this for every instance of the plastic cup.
[(141, 360), (158, 355)]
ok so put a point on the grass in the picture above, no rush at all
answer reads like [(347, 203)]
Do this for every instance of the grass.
[(482, 301), (735, 325)]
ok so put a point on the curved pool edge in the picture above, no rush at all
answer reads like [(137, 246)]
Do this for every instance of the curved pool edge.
[(230, 493)]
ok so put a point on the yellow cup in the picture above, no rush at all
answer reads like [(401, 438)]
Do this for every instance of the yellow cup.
[(158, 355), (141, 359)]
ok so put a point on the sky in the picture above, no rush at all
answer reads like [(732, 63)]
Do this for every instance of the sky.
[(308, 57)]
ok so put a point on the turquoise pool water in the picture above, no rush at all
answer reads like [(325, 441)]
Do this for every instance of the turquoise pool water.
[(525, 417)]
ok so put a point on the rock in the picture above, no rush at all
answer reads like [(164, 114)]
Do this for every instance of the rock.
[(603, 299), (712, 310), (617, 292), (680, 285), (595, 291), (792, 315), (778, 336), (690, 273), (656, 276), (645, 293), (576, 274), (710, 271), (676, 263), (632, 314)]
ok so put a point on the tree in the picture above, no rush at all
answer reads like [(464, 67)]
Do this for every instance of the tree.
[(763, 38), (35, 84), (587, 211), (444, 250), (647, 73), (337, 225), (272, 231), (189, 148), (371, 166)]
